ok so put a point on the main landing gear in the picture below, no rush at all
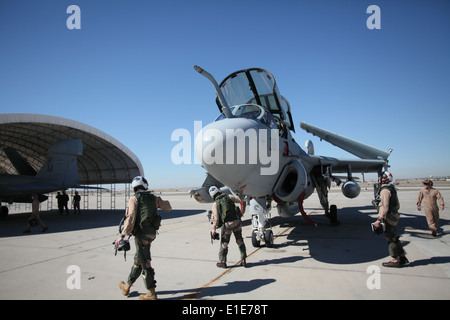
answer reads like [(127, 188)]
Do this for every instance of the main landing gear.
[(332, 215)]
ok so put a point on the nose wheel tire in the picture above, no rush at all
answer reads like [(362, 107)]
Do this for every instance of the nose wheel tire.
[(255, 240), (267, 237)]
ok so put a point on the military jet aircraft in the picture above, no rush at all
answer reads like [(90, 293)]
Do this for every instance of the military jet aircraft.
[(250, 147), (59, 172)]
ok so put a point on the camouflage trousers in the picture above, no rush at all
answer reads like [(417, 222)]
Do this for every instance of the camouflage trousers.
[(395, 247), (228, 228), (142, 264)]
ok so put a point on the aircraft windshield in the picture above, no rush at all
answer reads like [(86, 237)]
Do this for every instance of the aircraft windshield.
[(236, 90), (256, 86), (250, 111)]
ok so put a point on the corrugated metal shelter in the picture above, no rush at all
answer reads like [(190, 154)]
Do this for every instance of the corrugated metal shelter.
[(104, 161)]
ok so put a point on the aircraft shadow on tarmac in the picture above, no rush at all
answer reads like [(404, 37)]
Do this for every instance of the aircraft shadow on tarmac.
[(351, 242), (14, 224)]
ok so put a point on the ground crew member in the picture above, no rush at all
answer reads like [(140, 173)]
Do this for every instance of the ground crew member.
[(76, 203), (34, 218), (65, 201), (142, 221), (388, 215), (59, 198), (430, 196), (226, 215)]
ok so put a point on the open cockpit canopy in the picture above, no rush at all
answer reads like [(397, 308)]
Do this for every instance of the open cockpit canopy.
[(256, 86)]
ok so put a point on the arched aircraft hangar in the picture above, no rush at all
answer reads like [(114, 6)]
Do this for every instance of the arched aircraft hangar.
[(104, 160)]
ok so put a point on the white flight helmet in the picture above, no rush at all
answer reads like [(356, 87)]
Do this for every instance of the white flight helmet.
[(386, 177), (139, 181), (213, 191)]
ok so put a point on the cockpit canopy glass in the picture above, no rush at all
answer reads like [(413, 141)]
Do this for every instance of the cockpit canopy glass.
[(256, 86), (252, 111)]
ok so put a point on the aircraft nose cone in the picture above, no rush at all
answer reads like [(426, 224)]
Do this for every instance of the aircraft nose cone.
[(228, 149)]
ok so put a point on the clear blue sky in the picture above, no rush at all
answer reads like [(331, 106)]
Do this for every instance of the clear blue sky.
[(129, 71)]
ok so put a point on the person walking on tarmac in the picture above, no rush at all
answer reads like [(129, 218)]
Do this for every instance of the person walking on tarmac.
[(142, 221), (226, 215), (388, 215), (34, 218), (430, 196)]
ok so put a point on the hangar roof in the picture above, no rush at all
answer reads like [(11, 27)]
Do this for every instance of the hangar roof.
[(105, 160)]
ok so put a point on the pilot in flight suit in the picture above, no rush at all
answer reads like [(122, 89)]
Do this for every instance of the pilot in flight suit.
[(430, 196), (141, 222), (388, 215), (224, 214)]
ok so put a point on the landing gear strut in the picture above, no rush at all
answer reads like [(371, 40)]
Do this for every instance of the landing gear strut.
[(261, 227), (4, 212), (333, 215)]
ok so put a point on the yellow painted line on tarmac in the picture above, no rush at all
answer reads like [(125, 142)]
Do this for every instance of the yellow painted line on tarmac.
[(192, 295)]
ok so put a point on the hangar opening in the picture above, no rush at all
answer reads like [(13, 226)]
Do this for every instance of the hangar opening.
[(105, 162)]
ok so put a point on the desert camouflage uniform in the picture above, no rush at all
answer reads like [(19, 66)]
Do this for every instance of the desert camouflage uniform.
[(430, 198)]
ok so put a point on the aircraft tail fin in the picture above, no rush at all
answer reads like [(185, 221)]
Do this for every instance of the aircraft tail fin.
[(61, 167), (356, 148)]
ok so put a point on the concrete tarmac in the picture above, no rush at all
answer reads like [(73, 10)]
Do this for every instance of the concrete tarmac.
[(74, 259)]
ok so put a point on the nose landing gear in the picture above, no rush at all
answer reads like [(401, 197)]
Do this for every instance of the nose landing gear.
[(262, 229)]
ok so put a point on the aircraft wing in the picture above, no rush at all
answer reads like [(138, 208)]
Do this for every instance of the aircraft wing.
[(30, 188), (359, 149), (14, 191), (372, 159), (342, 165)]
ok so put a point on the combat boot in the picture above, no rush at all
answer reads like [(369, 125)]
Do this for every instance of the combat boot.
[(125, 287), (151, 295)]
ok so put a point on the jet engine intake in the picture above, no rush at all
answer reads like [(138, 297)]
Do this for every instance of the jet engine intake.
[(292, 182), (286, 211), (351, 189)]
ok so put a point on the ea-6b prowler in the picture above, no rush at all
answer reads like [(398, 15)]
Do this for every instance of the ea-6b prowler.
[(250, 147)]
